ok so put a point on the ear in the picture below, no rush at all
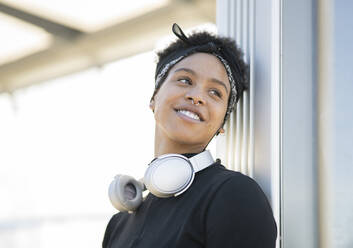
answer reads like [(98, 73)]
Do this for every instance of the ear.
[(220, 130), (152, 105)]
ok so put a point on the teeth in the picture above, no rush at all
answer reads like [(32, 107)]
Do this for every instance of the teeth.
[(189, 114)]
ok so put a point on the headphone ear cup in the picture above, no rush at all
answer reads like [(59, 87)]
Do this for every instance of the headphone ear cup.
[(168, 176), (125, 193)]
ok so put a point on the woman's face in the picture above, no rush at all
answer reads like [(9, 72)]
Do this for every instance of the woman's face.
[(190, 106)]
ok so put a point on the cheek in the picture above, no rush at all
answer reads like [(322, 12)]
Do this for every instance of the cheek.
[(168, 95), (158, 111), (219, 114), (163, 105)]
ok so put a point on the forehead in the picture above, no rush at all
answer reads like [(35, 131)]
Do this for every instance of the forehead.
[(204, 65)]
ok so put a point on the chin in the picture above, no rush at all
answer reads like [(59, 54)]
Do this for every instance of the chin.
[(187, 138)]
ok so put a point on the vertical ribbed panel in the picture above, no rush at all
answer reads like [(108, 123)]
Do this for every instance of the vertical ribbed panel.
[(230, 136), (237, 147), (251, 41), (237, 28)]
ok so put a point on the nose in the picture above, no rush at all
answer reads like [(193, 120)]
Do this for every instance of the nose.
[(195, 97)]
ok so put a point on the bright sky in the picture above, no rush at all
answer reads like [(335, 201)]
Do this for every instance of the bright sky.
[(12, 45), (62, 143)]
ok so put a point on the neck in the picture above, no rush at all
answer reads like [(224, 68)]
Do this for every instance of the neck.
[(164, 145)]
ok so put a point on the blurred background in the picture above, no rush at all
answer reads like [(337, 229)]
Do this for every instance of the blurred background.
[(76, 78)]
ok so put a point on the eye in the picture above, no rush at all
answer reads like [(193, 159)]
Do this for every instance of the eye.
[(216, 93), (185, 80)]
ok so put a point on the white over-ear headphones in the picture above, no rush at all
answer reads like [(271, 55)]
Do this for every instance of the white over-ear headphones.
[(166, 176)]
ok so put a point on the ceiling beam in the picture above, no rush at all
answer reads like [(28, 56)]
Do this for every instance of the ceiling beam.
[(56, 29), (124, 39)]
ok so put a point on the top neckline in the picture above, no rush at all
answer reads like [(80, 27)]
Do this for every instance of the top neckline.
[(188, 155)]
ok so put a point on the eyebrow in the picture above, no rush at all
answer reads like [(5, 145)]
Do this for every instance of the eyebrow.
[(185, 69), (212, 79)]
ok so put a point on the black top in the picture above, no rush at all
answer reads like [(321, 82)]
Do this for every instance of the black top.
[(222, 208)]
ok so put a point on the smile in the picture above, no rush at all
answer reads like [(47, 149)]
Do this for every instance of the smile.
[(189, 114)]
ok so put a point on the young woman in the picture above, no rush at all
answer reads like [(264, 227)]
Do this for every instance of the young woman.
[(198, 81)]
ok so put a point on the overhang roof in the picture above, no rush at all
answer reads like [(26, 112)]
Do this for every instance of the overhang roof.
[(70, 48)]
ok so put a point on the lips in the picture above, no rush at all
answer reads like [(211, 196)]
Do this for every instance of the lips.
[(190, 112)]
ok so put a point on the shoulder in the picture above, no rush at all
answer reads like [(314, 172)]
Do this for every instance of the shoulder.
[(220, 179), (240, 214), (239, 189), (225, 189), (239, 184)]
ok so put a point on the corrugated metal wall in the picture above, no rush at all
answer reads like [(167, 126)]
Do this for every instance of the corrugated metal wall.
[(272, 135), (236, 19)]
